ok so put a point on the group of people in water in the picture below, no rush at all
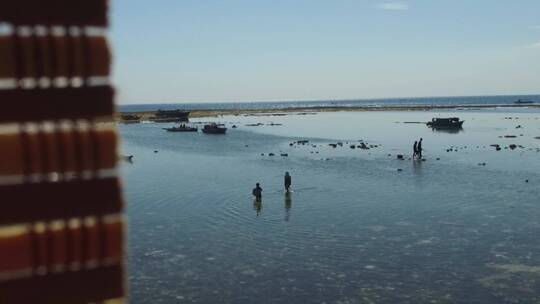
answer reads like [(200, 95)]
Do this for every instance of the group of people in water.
[(257, 191), (417, 149)]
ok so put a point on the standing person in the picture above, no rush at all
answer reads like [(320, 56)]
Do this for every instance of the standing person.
[(287, 181), (257, 192), (419, 149), (415, 150)]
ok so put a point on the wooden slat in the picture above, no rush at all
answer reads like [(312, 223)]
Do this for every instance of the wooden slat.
[(79, 287), (51, 201), (24, 154), (55, 12), (54, 56), (16, 253), (11, 158), (60, 246), (7, 57), (55, 104)]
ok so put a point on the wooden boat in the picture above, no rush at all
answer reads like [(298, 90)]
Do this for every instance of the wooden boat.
[(452, 122), (180, 129), (214, 129)]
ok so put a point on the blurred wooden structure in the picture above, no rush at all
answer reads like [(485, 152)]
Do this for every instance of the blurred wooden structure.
[(61, 205)]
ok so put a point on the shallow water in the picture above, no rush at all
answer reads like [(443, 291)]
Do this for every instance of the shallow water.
[(354, 230)]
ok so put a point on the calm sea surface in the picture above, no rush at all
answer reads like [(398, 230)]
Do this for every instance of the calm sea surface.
[(355, 229), (427, 101)]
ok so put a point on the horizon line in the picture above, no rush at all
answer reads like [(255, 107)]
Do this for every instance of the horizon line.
[(333, 100)]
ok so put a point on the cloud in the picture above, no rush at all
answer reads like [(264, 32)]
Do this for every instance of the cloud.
[(535, 45), (393, 6)]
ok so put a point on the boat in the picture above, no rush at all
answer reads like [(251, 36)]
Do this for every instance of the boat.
[(521, 101), (181, 129), (214, 129), (170, 116), (452, 122)]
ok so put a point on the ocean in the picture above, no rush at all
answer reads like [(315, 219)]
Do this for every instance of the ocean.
[(360, 226), (426, 101)]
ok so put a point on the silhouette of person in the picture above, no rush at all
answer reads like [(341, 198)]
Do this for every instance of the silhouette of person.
[(287, 181), (257, 192), (419, 148), (415, 149)]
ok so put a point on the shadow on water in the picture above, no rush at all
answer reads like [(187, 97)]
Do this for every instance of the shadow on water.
[(288, 205)]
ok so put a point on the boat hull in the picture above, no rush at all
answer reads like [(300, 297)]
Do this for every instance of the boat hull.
[(176, 119), (457, 124), (180, 129), (451, 122), (215, 131)]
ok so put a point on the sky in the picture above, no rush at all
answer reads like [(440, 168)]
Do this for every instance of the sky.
[(180, 51)]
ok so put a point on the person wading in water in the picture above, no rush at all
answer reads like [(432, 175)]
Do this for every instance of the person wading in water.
[(257, 192), (287, 181), (419, 149)]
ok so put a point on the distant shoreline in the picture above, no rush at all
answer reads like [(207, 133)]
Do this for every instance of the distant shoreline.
[(146, 115)]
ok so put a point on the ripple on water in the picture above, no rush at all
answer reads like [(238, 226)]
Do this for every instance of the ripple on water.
[(350, 222)]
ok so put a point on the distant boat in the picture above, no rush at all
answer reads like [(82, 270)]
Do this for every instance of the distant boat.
[(181, 129), (170, 116), (452, 122), (521, 101), (214, 129)]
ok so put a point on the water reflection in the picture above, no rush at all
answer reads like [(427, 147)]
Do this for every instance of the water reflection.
[(447, 130), (417, 167), (396, 244), (257, 206), (288, 205)]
